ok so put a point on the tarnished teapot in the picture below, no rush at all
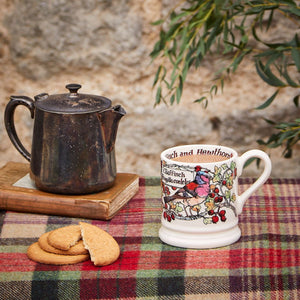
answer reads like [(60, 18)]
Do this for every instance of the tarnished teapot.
[(73, 144)]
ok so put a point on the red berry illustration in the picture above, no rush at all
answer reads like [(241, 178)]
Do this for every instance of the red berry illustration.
[(216, 190), (223, 218), (173, 216), (169, 218), (173, 188), (215, 219), (211, 212), (218, 199), (165, 215), (166, 206), (224, 182), (167, 191), (222, 212), (212, 195)]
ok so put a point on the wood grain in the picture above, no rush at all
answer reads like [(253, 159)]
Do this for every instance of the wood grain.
[(103, 205)]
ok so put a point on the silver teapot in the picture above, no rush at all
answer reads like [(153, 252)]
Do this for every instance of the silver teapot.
[(73, 144)]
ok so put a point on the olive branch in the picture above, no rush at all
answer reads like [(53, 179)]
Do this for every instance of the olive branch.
[(196, 29)]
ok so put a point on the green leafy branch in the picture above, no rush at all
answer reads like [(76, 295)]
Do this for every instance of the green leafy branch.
[(197, 29), (288, 135)]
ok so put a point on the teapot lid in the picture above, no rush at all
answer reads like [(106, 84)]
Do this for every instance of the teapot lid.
[(72, 102)]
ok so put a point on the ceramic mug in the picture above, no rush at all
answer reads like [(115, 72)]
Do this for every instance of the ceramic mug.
[(200, 194)]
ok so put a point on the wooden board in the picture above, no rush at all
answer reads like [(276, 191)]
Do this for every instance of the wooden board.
[(103, 205)]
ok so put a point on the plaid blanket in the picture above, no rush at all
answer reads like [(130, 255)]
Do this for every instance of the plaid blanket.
[(263, 264)]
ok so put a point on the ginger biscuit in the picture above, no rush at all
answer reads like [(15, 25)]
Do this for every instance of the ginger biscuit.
[(77, 249), (37, 254), (103, 248), (65, 237)]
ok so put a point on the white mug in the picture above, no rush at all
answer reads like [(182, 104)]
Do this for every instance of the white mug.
[(200, 194)]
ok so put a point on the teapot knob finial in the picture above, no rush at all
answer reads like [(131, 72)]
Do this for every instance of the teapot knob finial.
[(73, 87)]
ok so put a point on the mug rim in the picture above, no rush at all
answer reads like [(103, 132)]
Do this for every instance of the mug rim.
[(193, 146)]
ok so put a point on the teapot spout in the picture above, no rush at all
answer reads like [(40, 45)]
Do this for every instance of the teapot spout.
[(109, 120)]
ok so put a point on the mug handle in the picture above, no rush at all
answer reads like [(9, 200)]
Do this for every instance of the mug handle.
[(10, 124), (241, 199)]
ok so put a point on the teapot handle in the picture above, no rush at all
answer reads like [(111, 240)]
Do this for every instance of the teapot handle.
[(9, 121)]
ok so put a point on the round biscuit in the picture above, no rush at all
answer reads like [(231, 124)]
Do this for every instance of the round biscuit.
[(37, 254), (65, 237), (77, 249), (103, 248)]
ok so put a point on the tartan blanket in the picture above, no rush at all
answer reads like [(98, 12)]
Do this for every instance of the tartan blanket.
[(263, 264)]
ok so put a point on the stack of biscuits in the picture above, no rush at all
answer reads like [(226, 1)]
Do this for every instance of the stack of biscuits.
[(73, 244)]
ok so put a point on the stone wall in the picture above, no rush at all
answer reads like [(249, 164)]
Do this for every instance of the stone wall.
[(104, 45)]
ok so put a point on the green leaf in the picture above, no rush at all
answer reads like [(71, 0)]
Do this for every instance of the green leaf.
[(207, 221), (275, 80), (157, 75), (285, 135), (222, 84), (167, 84), (227, 194), (268, 102), (203, 100), (218, 170), (232, 165), (156, 50), (289, 2), (270, 19), (239, 59), (269, 121), (174, 77), (217, 29), (201, 47), (158, 22), (172, 31), (233, 197), (273, 58), (296, 52), (236, 62), (261, 142), (288, 153), (185, 70), (216, 178), (179, 90), (172, 99), (267, 75), (244, 39), (174, 17), (293, 10), (213, 89), (158, 95), (287, 77), (232, 44)]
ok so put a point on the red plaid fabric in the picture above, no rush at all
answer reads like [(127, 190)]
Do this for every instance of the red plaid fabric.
[(263, 264)]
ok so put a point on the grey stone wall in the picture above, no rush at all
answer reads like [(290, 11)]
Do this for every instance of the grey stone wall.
[(104, 45)]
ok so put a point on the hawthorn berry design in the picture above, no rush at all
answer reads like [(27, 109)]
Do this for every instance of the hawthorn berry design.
[(211, 207), (216, 216)]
